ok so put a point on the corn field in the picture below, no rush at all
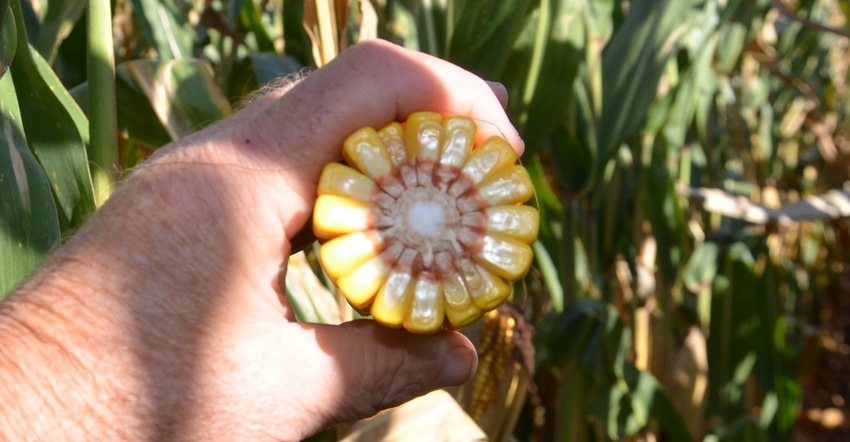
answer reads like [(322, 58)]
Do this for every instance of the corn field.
[(691, 166)]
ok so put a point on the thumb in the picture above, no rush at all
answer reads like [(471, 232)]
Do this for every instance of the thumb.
[(375, 367)]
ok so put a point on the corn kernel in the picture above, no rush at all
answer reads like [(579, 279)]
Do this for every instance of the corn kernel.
[(425, 230)]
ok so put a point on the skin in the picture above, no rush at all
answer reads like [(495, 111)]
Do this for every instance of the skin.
[(163, 317)]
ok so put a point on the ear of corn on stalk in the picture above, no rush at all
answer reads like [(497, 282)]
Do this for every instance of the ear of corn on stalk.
[(495, 395), (424, 227)]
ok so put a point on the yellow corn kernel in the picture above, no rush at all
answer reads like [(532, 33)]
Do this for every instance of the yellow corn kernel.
[(494, 363), (423, 136), (509, 186), (492, 291), (426, 310), (341, 255), (460, 310), (393, 137), (519, 222), (366, 151), (341, 180), (334, 215), (442, 233), (505, 256), (394, 298), (492, 156), (363, 282), (459, 136)]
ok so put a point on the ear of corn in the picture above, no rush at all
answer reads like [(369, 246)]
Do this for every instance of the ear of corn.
[(496, 393), (422, 226)]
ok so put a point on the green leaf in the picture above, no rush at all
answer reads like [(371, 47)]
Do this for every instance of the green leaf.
[(623, 397), (29, 228), (734, 326), (269, 67), (550, 276), (8, 38), (546, 59), (137, 121), (298, 42), (57, 24), (701, 267), (253, 20), (52, 133), (403, 29), (76, 113), (182, 93), (139, 127), (166, 25), (627, 407), (633, 63), (484, 31), (665, 215), (776, 363), (567, 334), (573, 146), (258, 70)]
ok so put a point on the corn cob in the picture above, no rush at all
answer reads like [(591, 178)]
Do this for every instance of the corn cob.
[(495, 356), (423, 228)]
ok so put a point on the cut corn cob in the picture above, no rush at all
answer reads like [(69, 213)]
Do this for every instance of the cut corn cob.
[(423, 228)]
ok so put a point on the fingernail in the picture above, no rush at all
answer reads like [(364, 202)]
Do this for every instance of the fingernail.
[(497, 85), (458, 367)]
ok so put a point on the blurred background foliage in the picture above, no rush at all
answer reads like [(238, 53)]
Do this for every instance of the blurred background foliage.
[(690, 157)]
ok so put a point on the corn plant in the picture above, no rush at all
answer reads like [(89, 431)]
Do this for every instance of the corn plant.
[(689, 160)]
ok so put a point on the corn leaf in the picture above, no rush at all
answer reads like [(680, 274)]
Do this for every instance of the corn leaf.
[(665, 215), (298, 42), (52, 133), (136, 117), (543, 68), (402, 28), (182, 93), (628, 406), (696, 83), (624, 398), (701, 267), (732, 338), (549, 271), (573, 146), (57, 24), (484, 32), (77, 115), (8, 37), (775, 363), (257, 70), (139, 127), (166, 26), (253, 20), (29, 228), (633, 63)]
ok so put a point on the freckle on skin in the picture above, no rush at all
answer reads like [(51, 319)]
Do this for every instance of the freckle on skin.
[(247, 141)]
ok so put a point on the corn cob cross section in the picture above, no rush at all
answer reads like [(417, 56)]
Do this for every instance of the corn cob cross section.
[(423, 226)]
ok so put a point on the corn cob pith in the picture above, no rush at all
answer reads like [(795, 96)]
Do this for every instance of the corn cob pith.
[(423, 227)]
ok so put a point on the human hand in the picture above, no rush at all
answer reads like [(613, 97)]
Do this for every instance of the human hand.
[(164, 317)]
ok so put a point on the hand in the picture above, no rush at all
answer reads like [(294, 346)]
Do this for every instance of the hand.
[(164, 318)]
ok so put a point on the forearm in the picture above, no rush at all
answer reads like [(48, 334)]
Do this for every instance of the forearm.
[(59, 369), (83, 350)]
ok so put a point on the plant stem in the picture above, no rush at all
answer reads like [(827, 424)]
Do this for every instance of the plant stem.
[(103, 125)]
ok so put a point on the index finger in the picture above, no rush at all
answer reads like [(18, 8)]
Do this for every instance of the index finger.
[(374, 83)]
